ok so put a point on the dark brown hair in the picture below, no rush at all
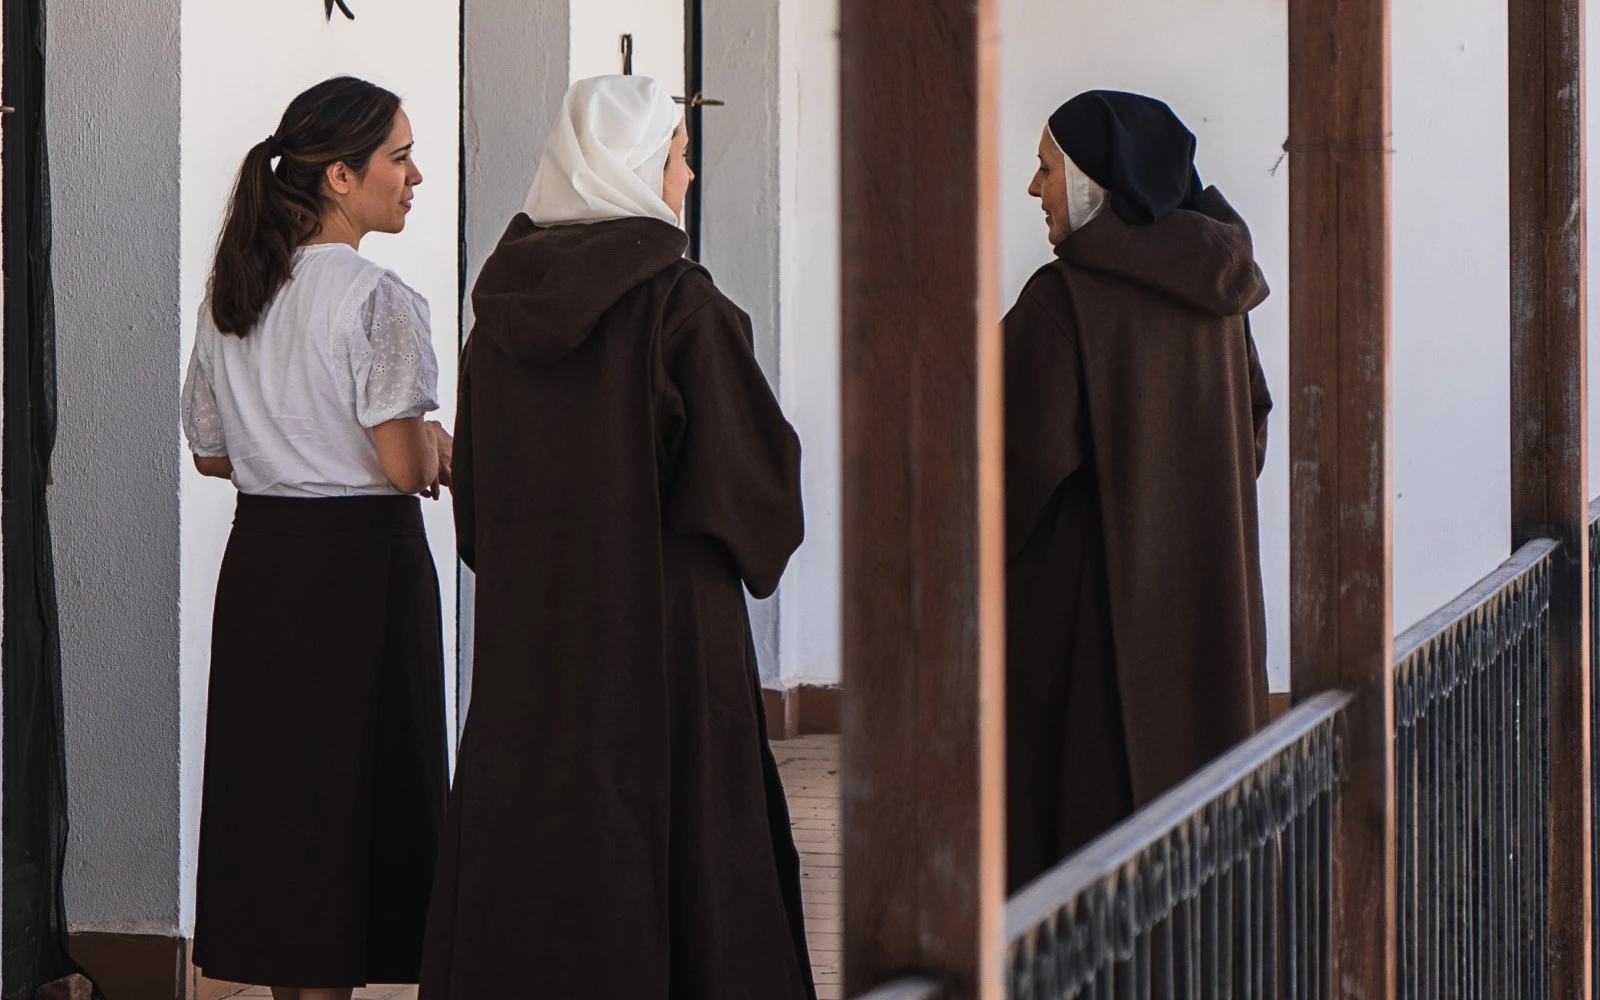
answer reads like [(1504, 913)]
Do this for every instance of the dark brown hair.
[(276, 209)]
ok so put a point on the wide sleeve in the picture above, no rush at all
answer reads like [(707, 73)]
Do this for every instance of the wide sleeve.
[(1043, 410), (735, 471), (202, 421), (391, 355), (1260, 399), (463, 494)]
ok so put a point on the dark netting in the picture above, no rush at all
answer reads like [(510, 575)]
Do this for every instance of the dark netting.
[(34, 821)]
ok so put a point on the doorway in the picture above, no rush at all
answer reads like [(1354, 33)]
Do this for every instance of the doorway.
[(662, 39)]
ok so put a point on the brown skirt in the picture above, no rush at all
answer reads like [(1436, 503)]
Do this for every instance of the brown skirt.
[(325, 765)]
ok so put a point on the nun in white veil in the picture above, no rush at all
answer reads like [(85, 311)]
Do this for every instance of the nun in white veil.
[(623, 475)]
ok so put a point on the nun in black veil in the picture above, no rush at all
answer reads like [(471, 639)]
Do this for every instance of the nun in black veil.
[(1136, 423)]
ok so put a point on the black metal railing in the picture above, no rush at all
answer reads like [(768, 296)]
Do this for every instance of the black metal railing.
[(1221, 888), (1471, 749)]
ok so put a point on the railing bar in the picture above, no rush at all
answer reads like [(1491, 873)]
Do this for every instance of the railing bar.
[(1211, 908), (1486, 831), (1449, 966), (1144, 966), (1272, 967), (1323, 857), (1503, 841), (1466, 897), (1524, 769), (1426, 877), (1405, 823), (1470, 896), (1227, 946), (1294, 881), (1290, 935), (1307, 876), (1457, 817), (1477, 817), (1481, 825), (1437, 872), (1544, 791), (1166, 970), (1196, 935), (1244, 899), (1122, 979), (1182, 951), (1514, 803), (1258, 905), (1528, 863), (1537, 820), (1497, 810), (1196, 944)]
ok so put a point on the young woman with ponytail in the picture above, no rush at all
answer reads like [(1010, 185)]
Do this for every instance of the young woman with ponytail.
[(313, 368)]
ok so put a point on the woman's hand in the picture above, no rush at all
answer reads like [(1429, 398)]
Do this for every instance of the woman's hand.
[(219, 467), (446, 446)]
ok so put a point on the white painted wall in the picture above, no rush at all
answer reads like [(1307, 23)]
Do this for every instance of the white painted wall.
[(740, 209), (242, 64), (112, 102), (597, 27), (1451, 347), (808, 311)]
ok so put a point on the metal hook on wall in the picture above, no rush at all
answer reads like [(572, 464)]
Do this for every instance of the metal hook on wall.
[(700, 100), (328, 5)]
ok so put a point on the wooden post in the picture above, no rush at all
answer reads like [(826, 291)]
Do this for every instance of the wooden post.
[(1342, 633), (1549, 433), (923, 616)]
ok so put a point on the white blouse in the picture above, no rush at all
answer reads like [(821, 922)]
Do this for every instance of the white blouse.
[(343, 347)]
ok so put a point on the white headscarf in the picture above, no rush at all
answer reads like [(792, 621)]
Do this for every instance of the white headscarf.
[(1086, 200), (607, 154)]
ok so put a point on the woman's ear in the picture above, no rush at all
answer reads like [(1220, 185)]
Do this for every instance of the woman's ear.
[(339, 178)]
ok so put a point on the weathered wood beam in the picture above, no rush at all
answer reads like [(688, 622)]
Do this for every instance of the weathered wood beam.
[(1549, 432), (1342, 631), (922, 508)]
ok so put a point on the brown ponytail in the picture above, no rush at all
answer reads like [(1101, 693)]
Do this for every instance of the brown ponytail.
[(275, 209)]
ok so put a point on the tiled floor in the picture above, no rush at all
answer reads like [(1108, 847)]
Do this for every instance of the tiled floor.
[(810, 767)]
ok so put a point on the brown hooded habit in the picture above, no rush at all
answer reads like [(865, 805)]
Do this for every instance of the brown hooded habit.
[(623, 474), (1136, 421)]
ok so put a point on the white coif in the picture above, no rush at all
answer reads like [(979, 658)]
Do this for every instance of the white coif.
[(607, 154)]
